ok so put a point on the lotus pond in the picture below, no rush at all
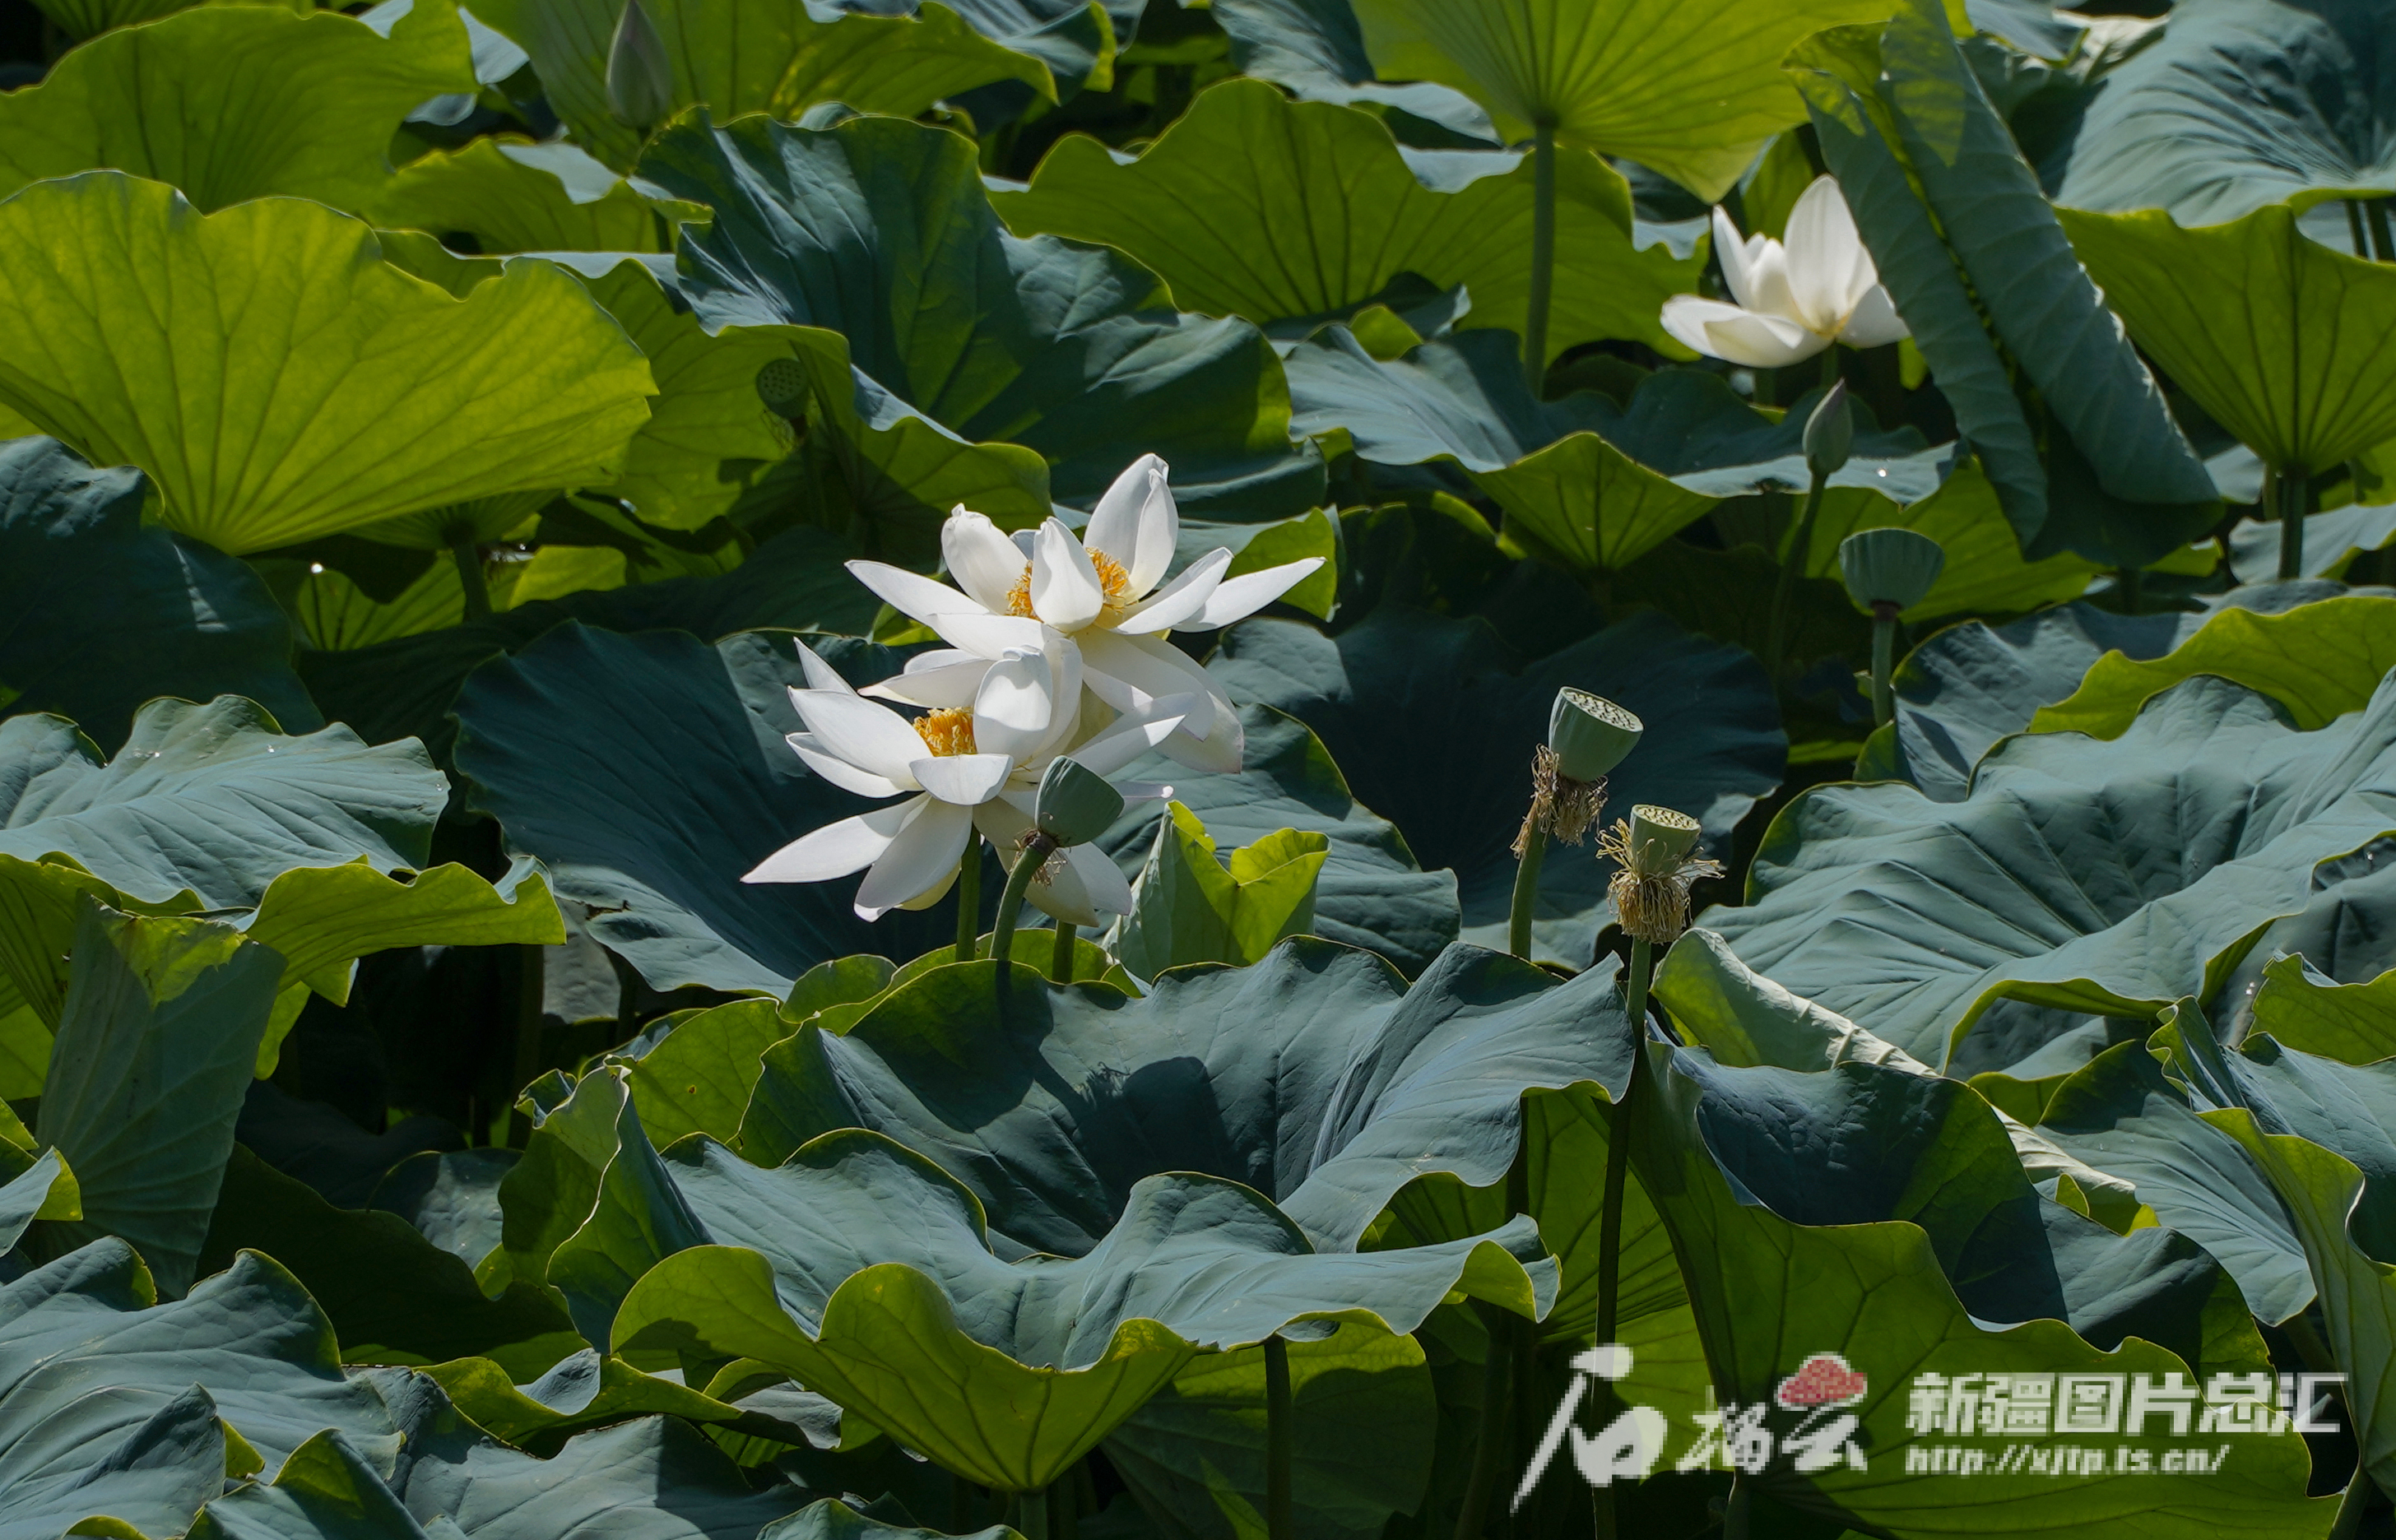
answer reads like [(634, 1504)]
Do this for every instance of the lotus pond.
[(1240, 770)]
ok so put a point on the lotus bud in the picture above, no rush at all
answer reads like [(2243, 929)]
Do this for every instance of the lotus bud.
[(783, 385), (1075, 804), (640, 73), (1589, 734), (1889, 567), (1831, 432)]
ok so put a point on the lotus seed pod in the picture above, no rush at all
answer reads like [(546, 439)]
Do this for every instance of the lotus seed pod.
[(1831, 432), (1889, 567), (1659, 838), (783, 385), (1589, 734), (1075, 804), (640, 73)]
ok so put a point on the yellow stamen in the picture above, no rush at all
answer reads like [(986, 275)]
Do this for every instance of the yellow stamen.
[(947, 731), (1114, 581)]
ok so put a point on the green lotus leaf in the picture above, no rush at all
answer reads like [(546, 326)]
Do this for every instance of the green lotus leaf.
[(1811, 1217), (451, 1196), (833, 1520), (106, 614), (406, 686), (865, 1272), (324, 1491), (2332, 541), (1363, 1417), (1838, 72), (1436, 718), (582, 1392), (43, 1188), (773, 57), (1591, 484), (1055, 1104), (90, 17), (1693, 91), (656, 1478), (234, 103), (697, 1079), (250, 1336), (1971, 685), (1316, 50), (1985, 572), (1065, 355), (2181, 125), (147, 1463), (2266, 329), (401, 398), (1191, 905), (2354, 1023), (1218, 205), (2120, 1114), (2319, 660), (2077, 876), (160, 1029), (512, 194), (393, 1296)]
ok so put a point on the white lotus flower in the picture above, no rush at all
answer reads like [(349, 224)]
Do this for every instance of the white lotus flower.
[(1100, 588), (1793, 301), (970, 766)]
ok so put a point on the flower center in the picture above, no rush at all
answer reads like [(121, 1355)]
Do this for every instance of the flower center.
[(947, 731), (1114, 581)]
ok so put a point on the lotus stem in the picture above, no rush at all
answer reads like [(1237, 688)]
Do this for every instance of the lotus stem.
[(1543, 258), (1036, 851), (2293, 499), (1830, 365), (1801, 548), (969, 898), (1060, 961), (2382, 246), (2360, 1490), (1617, 1147), (1280, 1521), (1735, 1514), (1489, 1441), (469, 557), (2354, 230), (1032, 1515), (1883, 662), (1526, 893), (532, 973)]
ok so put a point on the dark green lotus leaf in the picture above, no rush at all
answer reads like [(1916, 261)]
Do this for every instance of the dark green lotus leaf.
[(404, 688), (1313, 49), (1363, 1419), (326, 1490), (2078, 876), (2121, 1115), (105, 613), (1330, 181), (1315, 1076), (250, 1336), (392, 1295), (451, 1196), (43, 1188), (156, 1046), (148, 1461), (1037, 343), (317, 1144), (865, 1272), (1781, 1211), (1371, 893), (2240, 103), (651, 1479), (1434, 720), (833, 1520), (231, 103), (749, 57), (1971, 685)]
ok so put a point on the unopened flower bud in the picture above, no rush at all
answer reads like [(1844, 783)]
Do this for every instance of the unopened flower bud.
[(640, 73), (1075, 804), (783, 385), (1889, 567), (1831, 432), (1660, 837), (1589, 734)]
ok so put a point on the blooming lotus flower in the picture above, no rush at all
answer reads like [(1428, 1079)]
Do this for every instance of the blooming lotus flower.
[(1793, 301), (1100, 588), (971, 767)]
